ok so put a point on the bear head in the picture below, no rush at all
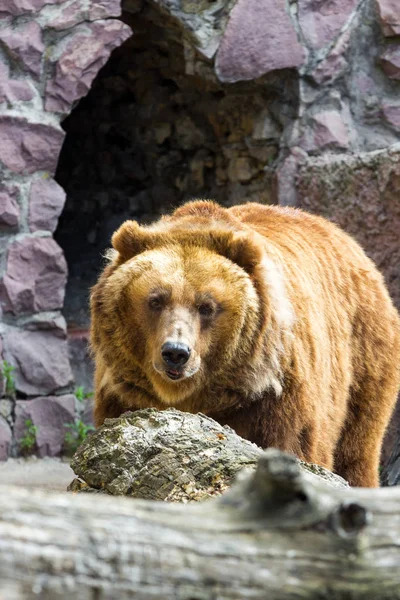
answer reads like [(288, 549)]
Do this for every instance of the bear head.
[(181, 301)]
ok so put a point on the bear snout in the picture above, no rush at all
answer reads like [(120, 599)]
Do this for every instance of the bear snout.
[(175, 354)]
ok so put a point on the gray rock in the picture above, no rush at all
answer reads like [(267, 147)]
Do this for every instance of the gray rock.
[(327, 129), (80, 360), (5, 439), (322, 23), (359, 193), (6, 408), (166, 455)]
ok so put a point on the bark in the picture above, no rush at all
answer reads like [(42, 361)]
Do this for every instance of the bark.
[(278, 533), (166, 455)]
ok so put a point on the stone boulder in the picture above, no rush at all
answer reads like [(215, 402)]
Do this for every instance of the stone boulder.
[(259, 38), (361, 194), (80, 62), (5, 439), (389, 14), (9, 209), (321, 23), (167, 455), (48, 415), (36, 276), (42, 359), (27, 147), (46, 201), (25, 45)]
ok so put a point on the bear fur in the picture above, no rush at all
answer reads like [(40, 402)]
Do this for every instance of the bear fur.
[(288, 332)]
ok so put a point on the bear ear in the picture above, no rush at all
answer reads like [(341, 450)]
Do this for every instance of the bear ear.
[(244, 250), (199, 209), (131, 239)]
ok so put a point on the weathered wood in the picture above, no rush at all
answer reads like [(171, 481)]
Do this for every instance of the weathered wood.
[(279, 533), (166, 455)]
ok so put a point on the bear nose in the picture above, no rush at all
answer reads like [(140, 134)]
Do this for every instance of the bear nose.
[(175, 354)]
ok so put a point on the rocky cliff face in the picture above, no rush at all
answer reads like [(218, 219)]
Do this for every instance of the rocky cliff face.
[(295, 102)]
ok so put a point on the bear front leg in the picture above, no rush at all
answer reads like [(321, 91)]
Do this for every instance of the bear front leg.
[(106, 406), (266, 424), (359, 448)]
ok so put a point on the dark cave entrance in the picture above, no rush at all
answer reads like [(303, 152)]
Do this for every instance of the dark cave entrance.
[(149, 136)]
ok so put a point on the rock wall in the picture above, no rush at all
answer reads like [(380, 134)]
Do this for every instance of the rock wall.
[(149, 135), (50, 52), (295, 102)]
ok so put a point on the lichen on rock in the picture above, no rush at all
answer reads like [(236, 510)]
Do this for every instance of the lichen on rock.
[(166, 455)]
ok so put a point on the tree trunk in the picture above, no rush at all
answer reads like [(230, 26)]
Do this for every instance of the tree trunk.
[(278, 533)]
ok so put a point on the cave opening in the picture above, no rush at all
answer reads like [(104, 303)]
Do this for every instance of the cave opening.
[(155, 130)]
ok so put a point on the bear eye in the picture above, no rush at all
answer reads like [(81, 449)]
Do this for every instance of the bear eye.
[(155, 303), (205, 310)]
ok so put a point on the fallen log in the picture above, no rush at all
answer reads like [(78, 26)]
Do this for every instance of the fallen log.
[(278, 533)]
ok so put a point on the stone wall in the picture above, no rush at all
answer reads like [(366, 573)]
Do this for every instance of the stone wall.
[(49, 53), (149, 135), (295, 102)]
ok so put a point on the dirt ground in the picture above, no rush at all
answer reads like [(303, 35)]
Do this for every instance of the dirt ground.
[(50, 474)]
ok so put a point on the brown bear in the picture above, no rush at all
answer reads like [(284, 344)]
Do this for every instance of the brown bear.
[(266, 318)]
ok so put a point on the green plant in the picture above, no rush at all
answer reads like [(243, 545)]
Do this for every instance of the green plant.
[(81, 395), (28, 441), (7, 370), (77, 433)]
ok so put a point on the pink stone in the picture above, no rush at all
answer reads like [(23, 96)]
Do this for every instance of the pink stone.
[(12, 90), (391, 113), (49, 415), (78, 12), (361, 194), (389, 13), (20, 7), (71, 15), (5, 439), (25, 45), (28, 147), (36, 276), (321, 22), (390, 61), (41, 361), (259, 38), (19, 91), (335, 63), (327, 129), (102, 9), (46, 201), (9, 209), (80, 62)]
